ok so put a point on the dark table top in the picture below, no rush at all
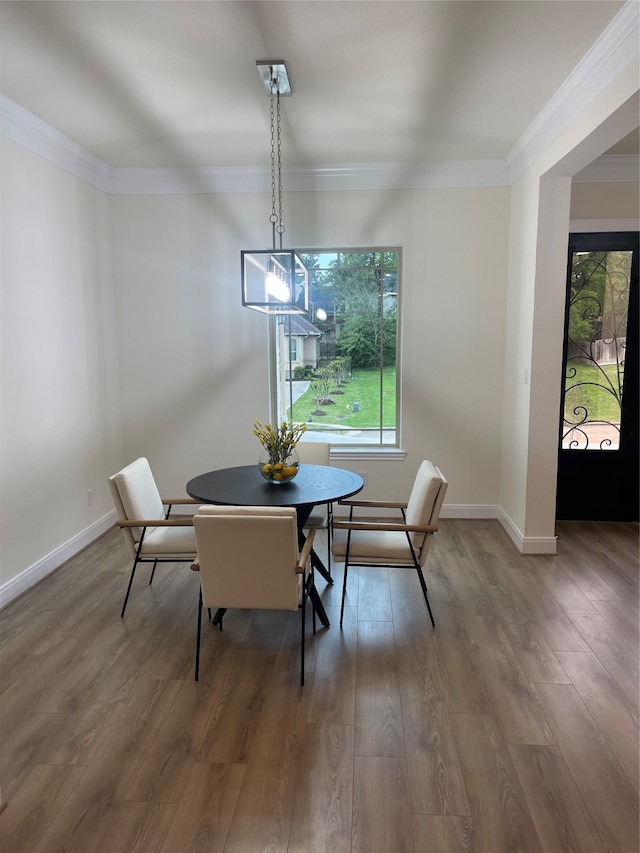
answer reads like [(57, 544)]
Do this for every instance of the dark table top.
[(245, 486)]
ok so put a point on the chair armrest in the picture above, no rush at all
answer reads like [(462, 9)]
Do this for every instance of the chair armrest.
[(387, 504), (171, 502), (390, 526), (176, 521), (304, 555)]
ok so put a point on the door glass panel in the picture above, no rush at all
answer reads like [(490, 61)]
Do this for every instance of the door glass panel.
[(595, 350)]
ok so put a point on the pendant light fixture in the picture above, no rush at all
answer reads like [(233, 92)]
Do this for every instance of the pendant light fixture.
[(274, 281)]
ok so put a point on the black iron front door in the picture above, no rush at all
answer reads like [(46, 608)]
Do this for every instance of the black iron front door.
[(598, 453)]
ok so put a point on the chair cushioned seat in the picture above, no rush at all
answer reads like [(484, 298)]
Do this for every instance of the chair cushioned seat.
[(376, 546), (176, 541)]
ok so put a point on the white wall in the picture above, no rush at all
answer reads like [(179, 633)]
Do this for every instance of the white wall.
[(193, 361), (59, 415), (193, 374), (602, 201)]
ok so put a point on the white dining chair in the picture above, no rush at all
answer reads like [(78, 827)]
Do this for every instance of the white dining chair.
[(247, 557), (318, 453), (150, 533), (403, 543)]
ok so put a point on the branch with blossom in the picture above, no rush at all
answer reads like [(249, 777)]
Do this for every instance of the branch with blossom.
[(278, 441)]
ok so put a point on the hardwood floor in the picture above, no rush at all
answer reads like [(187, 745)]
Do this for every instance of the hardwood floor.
[(513, 726)]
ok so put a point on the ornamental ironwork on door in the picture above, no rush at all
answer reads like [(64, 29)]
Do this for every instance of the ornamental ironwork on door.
[(595, 349)]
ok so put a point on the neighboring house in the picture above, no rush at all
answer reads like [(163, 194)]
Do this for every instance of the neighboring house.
[(304, 343)]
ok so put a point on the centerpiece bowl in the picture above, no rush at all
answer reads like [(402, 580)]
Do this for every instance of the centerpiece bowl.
[(277, 470), (279, 461)]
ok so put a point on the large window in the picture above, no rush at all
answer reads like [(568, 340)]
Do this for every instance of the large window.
[(343, 385)]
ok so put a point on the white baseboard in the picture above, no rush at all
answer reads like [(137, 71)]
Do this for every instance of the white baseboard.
[(50, 562), (539, 545), (524, 544), (527, 544), (469, 511)]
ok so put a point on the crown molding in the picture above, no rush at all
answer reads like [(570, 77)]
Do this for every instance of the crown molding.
[(399, 176), (35, 135), (610, 169), (343, 176), (610, 54)]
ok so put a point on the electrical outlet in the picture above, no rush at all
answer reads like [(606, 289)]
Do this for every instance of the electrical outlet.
[(363, 474), (89, 497)]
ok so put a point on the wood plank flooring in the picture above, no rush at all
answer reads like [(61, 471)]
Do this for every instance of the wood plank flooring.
[(513, 726)]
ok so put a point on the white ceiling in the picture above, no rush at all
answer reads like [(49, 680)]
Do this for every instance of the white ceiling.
[(167, 84)]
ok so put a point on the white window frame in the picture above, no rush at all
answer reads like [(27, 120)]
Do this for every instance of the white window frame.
[(345, 448)]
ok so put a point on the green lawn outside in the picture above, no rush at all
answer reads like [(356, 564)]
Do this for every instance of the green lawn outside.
[(363, 388), (595, 396)]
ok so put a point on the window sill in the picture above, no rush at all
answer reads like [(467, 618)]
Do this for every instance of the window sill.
[(394, 454)]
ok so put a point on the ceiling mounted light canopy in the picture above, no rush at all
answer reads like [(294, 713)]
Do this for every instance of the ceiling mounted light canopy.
[(274, 74), (275, 281)]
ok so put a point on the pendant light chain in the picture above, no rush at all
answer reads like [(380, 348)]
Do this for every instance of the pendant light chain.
[(280, 227), (273, 219)]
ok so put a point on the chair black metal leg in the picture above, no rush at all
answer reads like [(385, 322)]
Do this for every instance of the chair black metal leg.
[(126, 598), (198, 638), (346, 570), (344, 590), (329, 522), (314, 614), (304, 613), (217, 619), (423, 584), (308, 586), (153, 571), (133, 570), (418, 568)]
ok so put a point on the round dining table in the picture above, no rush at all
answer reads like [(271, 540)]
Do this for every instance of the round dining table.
[(244, 485)]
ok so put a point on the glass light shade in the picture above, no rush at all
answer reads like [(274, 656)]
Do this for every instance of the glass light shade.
[(277, 288), (274, 281)]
